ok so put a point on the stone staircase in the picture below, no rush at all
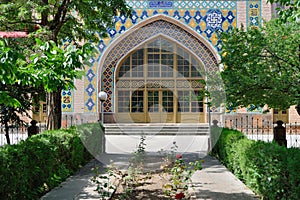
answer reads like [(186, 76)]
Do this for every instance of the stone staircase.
[(157, 129)]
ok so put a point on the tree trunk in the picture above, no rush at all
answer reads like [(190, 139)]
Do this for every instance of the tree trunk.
[(298, 109), (7, 133), (54, 110)]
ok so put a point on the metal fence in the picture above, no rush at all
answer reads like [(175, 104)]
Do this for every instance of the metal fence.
[(260, 129), (16, 133)]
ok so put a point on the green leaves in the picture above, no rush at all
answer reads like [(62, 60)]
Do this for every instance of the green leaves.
[(64, 19), (266, 168), (261, 66), (33, 167), (39, 61), (290, 10), (57, 67)]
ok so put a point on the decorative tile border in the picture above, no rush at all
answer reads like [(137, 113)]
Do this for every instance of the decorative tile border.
[(254, 13), (67, 101)]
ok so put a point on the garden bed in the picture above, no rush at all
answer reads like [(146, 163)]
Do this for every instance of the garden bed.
[(152, 177), (150, 186), (166, 176)]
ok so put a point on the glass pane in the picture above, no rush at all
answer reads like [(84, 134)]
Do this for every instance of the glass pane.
[(183, 65), (154, 46), (138, 71), (166, 46), (123, 101), (196, 103), (153, 101), (195, 72), (183, 71), (183, 101), (183, 54), (167, 59), (125, 68), (137, 101), (153, 70), (167, 101), (167, 65), (195, 68)]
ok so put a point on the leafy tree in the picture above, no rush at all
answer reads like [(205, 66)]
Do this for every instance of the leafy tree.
[(290, 10), (17, 87), (55, 79), (261, 66), (25, 77), (12, 116), (58, 20)]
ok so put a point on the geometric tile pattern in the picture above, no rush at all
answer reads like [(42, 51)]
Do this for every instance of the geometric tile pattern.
[(254, 109), (207, 18), (208, 22), (180, 4), (144, 33), (253, 13), (90, 85), (67, 101)]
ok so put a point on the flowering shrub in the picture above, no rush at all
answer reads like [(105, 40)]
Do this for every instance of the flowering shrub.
[(181, 174), (179, 195)]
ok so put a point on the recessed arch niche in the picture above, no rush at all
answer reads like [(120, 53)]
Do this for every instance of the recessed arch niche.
[(155, 27)]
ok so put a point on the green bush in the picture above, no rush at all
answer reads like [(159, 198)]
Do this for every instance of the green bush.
[(33, 167), (270, 170), (92, 137), (293, 167)]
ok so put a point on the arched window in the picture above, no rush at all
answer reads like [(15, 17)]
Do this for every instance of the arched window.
[(159, 73), (164, 59)]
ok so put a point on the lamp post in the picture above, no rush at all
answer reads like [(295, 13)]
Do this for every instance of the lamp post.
[(102, 97)]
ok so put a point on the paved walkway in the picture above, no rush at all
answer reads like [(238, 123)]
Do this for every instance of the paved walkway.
[(213, 182)]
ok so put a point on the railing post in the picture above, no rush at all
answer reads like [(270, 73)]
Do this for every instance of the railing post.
[(252, 122), (66, 121), (291, 133), (257, 128), (262, 129), (247, 123), (296, 135)]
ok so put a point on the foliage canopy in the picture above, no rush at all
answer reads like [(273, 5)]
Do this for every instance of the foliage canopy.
[(261, 66), (41, 60)]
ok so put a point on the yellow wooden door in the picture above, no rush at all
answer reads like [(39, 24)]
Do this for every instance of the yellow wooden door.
[(160, 107)]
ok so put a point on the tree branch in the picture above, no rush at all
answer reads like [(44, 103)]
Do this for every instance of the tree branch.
[(282, 59), (59, 19)]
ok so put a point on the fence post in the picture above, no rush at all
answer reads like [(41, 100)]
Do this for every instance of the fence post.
[(247, 121), (257, 129), (296, 135), (291, 132), (252, 122), (262, 129)]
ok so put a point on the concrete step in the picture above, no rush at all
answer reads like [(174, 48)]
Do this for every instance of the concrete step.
[(156, 129)]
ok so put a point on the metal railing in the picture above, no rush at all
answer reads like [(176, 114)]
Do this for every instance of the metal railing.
[(16, 133), (260, 129)]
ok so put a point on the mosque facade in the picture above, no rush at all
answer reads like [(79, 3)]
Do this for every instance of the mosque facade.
[(152, 65)]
